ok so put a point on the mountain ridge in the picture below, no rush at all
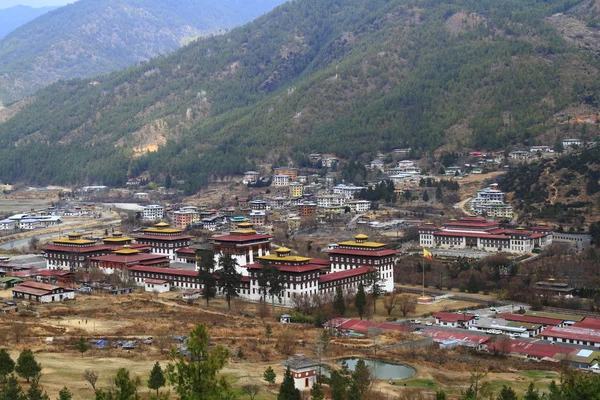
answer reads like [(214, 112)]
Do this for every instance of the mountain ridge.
[(13, 17), (339, 76), (92, 37)]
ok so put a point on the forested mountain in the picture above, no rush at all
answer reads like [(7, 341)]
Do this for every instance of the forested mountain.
[(13, 17), (92, 37), (342, 76), (565, 190)]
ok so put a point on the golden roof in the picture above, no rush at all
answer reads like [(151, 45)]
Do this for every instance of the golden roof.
[(274, 257), (127, 250), (244, 231), (363, 244), (244, 225), (283, 250), (361, 236), (117, 239), (74, 241), (161, 224)]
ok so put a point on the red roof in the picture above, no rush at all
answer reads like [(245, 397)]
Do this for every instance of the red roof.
[(74, 249), (186, 250), (590, 323), (156, 281), (320, 261), (363, 326), (130, 258), (366, 253), (538, 350), (531, 320), (481, 235), (170, 238), (241, 238), (38, 285), (573, 333), (452, 317), (334, 276), (463, 337), (290, 268), (167, 271), (473, 223)]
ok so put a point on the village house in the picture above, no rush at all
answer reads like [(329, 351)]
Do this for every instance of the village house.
[(571, 143), (42, 293), (281, 180), (156, 285), (454, 320), (303, 370), (289, 171), (251, 176), (296, 189)]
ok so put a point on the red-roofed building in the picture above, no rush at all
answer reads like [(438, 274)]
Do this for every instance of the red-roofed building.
[(164, 240), (545, 322), (72, 252), (477, 233), (453, 319), (349, 279), (42, 293), (121, 259), (244, 244), (589, 323), (351, 325), (572, 334), (463, 339), (361, 252)]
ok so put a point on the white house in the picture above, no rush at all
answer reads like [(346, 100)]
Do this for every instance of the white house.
[(453, 319), (281, 180), (157, 285), (8, 224), (359, 206)]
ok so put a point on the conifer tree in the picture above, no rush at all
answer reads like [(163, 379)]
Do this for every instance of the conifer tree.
[(360, 301), (269, 376), (7, 365), (157, 378), (339, 305), (27, 367), (287, 390)]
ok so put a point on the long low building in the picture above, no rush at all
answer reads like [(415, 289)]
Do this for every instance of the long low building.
[(480, 234), (42, 293), (573, 335)]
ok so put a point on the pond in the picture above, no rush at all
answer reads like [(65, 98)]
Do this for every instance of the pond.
[(382, 370)]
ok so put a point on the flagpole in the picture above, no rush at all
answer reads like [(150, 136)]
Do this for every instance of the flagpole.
[(423, 268)]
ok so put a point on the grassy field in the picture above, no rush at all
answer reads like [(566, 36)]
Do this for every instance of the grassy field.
[(146, 315), (22, 205)]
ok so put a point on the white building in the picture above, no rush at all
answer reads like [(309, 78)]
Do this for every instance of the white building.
[(42, 293), (281, 180), (405, 164), (347, 191), (324, 201), (8, 224), (304, 371), (359, 206), (153, 212), (572, 143), (157, 285)]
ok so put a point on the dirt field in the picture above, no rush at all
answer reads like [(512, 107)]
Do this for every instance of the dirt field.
[(52, 330), (21, 205)]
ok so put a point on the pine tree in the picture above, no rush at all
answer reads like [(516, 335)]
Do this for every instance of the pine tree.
[(440, 395), (362, 376), (27, 367), (425, 196), (82, 346), (507, 393), (360, 301), (157, 378), (7, 365), (268, 331), (35, 392), (339, 305), (12, 390), (287, 390), (205, 260), (438, 193), (269, 376), (354, 392), (229, 278), (338, 384), (316, 392), (531, 393), (65, 394), (473, 284)]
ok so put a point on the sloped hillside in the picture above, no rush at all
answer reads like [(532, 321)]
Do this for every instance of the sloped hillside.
[(349, 77), (13, 17), (91, 37), (566, 190)]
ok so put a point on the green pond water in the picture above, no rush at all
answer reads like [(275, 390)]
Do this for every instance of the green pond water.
[(382, 370)]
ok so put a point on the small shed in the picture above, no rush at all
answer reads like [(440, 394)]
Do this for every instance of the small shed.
[(191, 294), (285, 319), (157, 285), (9, 282)]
